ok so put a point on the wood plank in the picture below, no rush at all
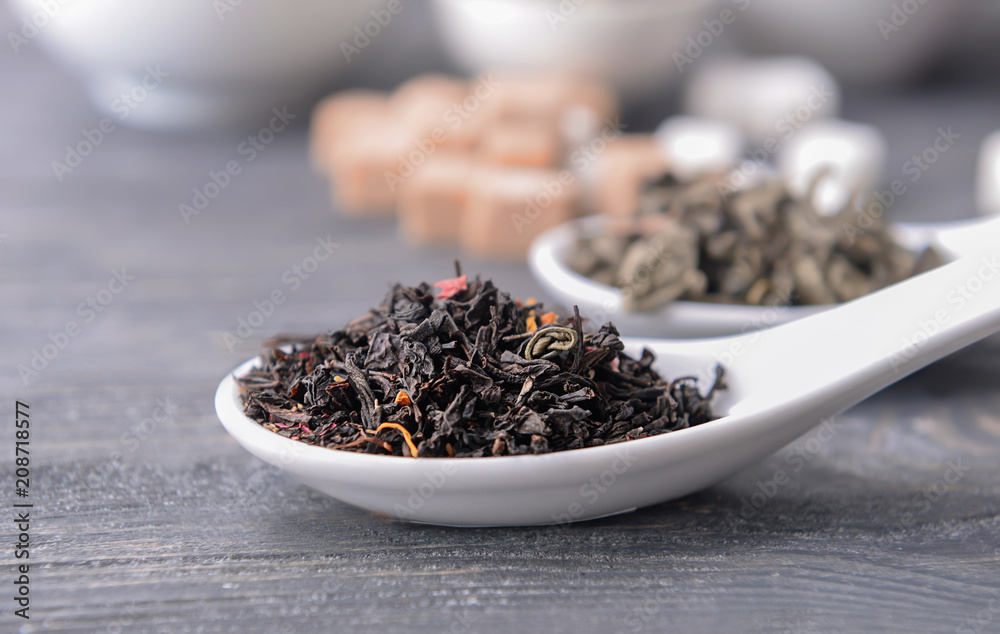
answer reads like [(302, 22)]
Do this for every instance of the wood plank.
[(169, 526)]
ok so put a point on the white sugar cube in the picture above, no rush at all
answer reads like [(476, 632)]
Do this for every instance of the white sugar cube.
[(988, 176), (852, 154), (693, 144)]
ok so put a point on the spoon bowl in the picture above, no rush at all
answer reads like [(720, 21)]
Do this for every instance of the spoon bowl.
[(683, 319), (782, 382)]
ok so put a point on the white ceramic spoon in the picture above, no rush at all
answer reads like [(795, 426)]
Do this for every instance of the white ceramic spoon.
[(602, 303), (783, 381)]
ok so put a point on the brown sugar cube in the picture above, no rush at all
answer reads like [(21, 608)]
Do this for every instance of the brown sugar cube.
[(600, 98), (529, 97), (334, 116), (467, 119), (547, 97), (425, 98), (581, 126), (463, 127), (510, 206), (433, 105), (592, 111), (628, 162), (528, 143), (368, 167), (432, 201)]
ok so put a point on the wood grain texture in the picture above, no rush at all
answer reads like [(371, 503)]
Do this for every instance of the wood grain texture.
[(169, 526)]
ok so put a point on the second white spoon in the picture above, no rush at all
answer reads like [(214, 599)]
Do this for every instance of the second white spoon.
[(601, 303)]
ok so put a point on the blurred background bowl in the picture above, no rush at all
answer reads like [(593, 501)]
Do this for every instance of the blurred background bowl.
[(628, 44), (859, 41), (224, 63)]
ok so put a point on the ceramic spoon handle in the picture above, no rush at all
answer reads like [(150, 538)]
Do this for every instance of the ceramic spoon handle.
[(851, 352), (839, 357), (954, 238)]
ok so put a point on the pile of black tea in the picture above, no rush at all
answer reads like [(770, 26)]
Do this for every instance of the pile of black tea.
[(760, 245), (466, 372)]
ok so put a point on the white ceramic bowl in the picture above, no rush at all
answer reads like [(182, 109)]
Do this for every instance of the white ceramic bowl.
[(222, 63), (684, 319), (859, 41), (628, 44)]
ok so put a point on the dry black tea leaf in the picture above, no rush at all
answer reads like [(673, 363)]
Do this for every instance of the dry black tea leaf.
[(466, 372)]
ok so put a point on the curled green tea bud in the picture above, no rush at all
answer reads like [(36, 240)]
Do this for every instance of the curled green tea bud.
[(547, 341)]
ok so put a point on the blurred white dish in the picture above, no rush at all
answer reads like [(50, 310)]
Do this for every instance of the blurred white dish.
[(770, 98), (682, 319), (692, 145), (628, 44), (783, 382), (859, 41), (197, 64)]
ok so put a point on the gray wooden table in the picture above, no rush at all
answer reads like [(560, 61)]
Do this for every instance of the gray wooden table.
[(148, 517)]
